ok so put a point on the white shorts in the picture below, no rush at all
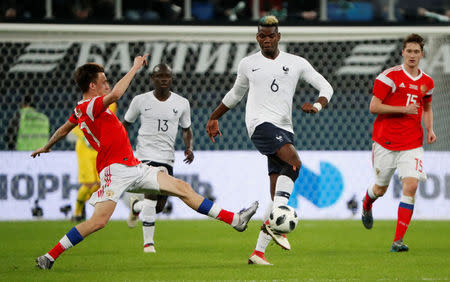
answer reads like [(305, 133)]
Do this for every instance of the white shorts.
[(118, 178), (385, 162)]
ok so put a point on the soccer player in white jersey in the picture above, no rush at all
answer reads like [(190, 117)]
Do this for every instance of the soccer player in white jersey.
[(271, 76), (161, 112), (118, 169), (401, 95)]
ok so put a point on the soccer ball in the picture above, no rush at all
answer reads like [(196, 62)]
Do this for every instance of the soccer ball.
[(283, 219)]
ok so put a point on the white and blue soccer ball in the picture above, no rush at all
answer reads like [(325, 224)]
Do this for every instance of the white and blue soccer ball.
[(283, 219)]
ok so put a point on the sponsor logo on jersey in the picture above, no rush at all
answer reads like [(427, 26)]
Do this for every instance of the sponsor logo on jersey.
[(286, 69), (413, 86), (402, 85), (109, 193), (253, 70), (279, 138), (147, 109), (175, 111)]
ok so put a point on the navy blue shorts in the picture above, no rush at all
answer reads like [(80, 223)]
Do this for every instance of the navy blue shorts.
[(268, 139), (156, 164)]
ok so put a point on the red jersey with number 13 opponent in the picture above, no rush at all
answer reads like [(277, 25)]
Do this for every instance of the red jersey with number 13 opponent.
[(104, 132), (396, 87)]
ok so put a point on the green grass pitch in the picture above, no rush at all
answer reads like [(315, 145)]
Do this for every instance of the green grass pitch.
[(210, 250)]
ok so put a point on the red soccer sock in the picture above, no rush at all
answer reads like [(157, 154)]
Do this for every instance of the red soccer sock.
[(368, 201), (226, 216), (56, 251), (405, 212)]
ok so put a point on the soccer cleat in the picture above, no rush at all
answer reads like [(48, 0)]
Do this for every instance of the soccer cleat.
[(149, 248), (258, 258), (44, 262), (280, 239), (367, 218), (132, 216), (398, 246), (245, 215)]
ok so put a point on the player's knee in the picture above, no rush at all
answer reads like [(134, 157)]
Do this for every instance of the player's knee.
[(291, 171), (379, 191), (98, 223), (183, 189)]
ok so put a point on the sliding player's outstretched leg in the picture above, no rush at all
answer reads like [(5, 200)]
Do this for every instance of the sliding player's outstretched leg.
[(173, 186), (98, 220)]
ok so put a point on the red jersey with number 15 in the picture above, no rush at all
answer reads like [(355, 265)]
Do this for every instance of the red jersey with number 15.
[(104, 132), (396, 87)]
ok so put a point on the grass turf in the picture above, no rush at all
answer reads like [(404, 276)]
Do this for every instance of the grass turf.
[(209, 250)]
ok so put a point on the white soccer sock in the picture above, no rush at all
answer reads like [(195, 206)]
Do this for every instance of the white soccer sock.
[(263, 241), (283, 190), (214, 211), (148, 213), (268, 211), (263, 238), (137, 208), (407, 199), (65, 242)]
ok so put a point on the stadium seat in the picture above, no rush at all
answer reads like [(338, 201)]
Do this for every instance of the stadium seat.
[(203, 11), (353, 11)]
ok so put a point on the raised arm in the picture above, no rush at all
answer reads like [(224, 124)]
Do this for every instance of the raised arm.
[(59, 134), (123, 84)]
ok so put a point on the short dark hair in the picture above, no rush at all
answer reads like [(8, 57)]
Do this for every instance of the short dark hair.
[(86, 74), (414, 38), (161, 66), (268, 21)]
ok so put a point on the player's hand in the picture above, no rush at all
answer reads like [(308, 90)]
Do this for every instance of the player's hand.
[(189, 154), (212, 128), (431, 137), (39, 151), (309, 108), (411, 109), (140, 61)]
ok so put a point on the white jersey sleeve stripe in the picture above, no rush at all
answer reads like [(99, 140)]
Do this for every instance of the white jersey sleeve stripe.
[(386, 80), (90, 109)]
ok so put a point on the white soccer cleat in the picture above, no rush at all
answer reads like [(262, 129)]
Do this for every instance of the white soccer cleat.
[(149, 248), (258, 258), (245, 215), (132, 216), (280, 239)]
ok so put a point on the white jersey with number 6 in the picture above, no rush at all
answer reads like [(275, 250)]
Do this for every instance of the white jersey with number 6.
[(271, 86), (159, 125)]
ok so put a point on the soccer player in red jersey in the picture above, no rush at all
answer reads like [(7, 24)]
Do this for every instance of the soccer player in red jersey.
[(401, 97), (118, 169)]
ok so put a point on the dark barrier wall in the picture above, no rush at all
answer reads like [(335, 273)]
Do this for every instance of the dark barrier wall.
[(203, 73)]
